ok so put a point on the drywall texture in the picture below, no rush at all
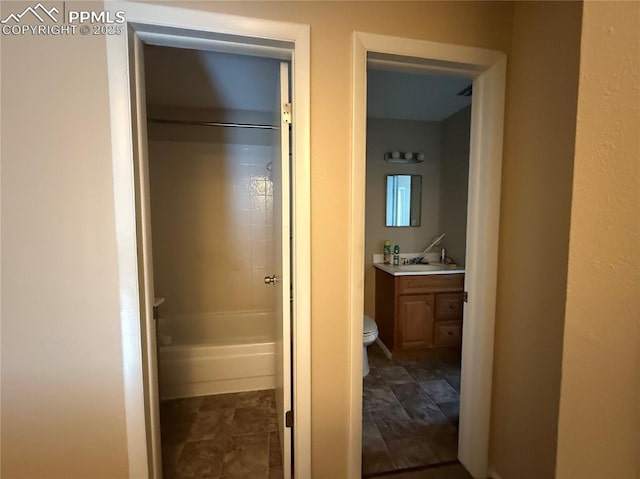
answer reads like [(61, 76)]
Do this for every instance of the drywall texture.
[(58, 227), (534, 237), (599, 426), (62, 376), (454, 183), (402, 135)]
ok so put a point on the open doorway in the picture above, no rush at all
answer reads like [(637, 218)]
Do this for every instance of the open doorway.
[(487, 71), (417, 170), (200, 31), (218, 215)]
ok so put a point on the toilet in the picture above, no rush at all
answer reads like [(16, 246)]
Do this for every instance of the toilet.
[(369, 335)]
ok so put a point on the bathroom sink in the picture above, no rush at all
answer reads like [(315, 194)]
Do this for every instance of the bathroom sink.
[(420, 267)]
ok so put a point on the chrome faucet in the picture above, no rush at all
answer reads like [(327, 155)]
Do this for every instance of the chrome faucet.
[(432, 245)]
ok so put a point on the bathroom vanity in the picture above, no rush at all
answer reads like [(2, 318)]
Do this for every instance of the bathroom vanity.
[(418, 308)]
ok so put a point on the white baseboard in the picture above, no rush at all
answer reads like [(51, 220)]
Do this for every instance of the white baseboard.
[(385, 350)]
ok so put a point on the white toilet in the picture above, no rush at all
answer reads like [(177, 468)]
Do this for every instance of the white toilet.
[(369, 335)]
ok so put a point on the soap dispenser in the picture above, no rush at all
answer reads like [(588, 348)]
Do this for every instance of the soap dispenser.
[(396, 255)]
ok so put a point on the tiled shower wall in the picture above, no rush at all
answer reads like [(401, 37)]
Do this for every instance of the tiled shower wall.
[(212, 226)]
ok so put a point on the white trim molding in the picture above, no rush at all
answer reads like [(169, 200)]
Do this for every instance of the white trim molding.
[(487, 68), (168, 25)]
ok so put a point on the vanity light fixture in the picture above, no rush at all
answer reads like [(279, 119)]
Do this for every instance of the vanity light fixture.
[(403, 157)]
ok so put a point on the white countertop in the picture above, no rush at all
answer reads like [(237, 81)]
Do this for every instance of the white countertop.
[(419, 269)]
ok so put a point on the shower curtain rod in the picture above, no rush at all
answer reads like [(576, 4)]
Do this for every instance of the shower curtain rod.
[(215, 123)]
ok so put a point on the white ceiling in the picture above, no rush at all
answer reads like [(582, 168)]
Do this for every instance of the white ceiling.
[(205, 79), (414, 95)]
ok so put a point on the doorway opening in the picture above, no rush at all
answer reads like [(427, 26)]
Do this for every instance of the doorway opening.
[(487, 70), (218, 215), (200, 33), (417, 167)]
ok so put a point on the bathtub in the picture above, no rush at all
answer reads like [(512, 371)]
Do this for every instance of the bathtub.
[(216, 353)]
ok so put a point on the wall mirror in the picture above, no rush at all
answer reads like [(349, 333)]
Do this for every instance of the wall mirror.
[(404, 197)]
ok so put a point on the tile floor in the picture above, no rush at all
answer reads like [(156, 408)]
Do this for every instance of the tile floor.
[(227, 436), (410, 414), (448, 471)]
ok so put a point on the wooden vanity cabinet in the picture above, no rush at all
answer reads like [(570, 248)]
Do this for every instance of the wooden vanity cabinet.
[(417, 312)]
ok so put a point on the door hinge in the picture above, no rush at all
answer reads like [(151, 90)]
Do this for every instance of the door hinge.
[(288, 419), (465, 297), (286, 113)]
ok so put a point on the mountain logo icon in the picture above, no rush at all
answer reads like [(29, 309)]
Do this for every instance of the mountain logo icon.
[(39, 11)]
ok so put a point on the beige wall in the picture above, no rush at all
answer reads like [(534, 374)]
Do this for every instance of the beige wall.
[(58, 231), (534, 237), (62, 374), (454, 183), (385, 135), (599, 426), (62, 397)]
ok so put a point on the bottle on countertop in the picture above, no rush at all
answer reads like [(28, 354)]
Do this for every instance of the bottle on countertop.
[(387, 252), (396, 255), (443, 256)]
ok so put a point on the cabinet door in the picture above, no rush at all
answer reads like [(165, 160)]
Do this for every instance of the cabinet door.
[(415, 321)]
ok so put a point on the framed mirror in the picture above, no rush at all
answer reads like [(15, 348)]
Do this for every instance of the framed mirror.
[(404, 197)]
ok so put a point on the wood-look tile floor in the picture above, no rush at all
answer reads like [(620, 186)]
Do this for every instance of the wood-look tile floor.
[(410, 415), (227, 436)]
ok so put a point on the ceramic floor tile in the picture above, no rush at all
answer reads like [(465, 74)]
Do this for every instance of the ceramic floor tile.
[(247, 457), (262, 399), (451, 410), (449, 471), (395, 375), (178, 407), (393, 423), (415, 422), (200, 460), (275, 453), (212, 424), (175, 429), (251, 419), (440, 390), (411, 452), (454, 381), (198, 437), (423, 373), (375, 455), (171, 454), (379, 398), (373, 379), (276, 472), (445, 445), (219, 401)]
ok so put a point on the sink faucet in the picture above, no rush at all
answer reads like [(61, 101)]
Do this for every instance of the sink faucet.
[(433, 244)]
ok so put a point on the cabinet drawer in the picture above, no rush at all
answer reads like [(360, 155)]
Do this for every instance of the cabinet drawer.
[(434, 283), (449, 306), (448, 333)]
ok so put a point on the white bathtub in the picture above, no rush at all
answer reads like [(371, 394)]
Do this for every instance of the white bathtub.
[(216, 354)]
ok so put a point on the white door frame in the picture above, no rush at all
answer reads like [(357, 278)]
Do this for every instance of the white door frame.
[(488, 70), (147, 22)]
